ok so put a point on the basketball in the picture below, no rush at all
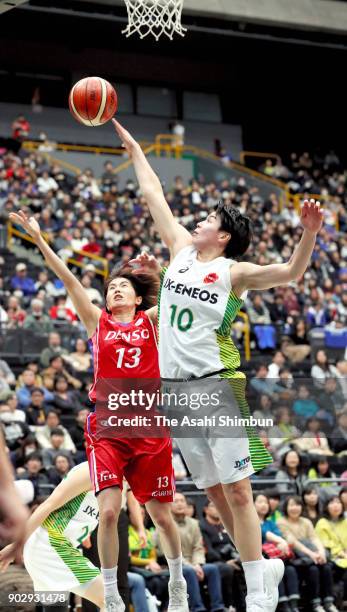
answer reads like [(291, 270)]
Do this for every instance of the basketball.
[(93, 101)]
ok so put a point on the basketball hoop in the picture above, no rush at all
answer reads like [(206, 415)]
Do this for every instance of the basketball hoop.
[(155, 17)]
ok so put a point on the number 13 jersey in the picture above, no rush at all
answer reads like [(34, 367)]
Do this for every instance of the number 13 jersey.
[(124, 350), (196, 309)]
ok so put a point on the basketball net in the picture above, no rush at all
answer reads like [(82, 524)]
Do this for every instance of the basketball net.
[(154, 17)]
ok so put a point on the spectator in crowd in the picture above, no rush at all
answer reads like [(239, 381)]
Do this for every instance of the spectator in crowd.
[(45, 284), (20, 128), (59, 312), (257, 311), (15, 430), (24, 392), (4, 388), (284, 433), (191, 508), (22, 282), (12, 405), (61, 467), (16, 315), (34, 367), (260, 382), (46, 183), (6, 373), (339, 435), (305, 405), (64, 400), (56, 369), (311, 503), (331, 400), (299, 532), (37, 409), (341, 368), (265, 412), (314, 441), (332, 532), (299, 346), (275, 366), (321, 370), (343, 499), (274, 498), (80, 359), (43, 434), (28, 445), (289, 587), (35, 473), (138, 595), (56, 448), (53, 349), (38, 321), (291, 473), (221, 551), (77, 433), (321, 469), (195, 568), (178, 130)]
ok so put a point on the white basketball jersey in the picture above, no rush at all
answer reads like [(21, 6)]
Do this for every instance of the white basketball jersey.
[(196, 309)]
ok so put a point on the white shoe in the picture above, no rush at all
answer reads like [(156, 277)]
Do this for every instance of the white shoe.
[(178, 597), (114, 603), (273, 574)]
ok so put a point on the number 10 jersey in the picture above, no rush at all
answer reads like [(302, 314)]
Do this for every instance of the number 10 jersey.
[(196, 310)]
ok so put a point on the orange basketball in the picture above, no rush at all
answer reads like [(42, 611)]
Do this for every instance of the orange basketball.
[(93, 101)]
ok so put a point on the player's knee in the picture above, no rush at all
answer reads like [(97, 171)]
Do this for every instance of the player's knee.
[(163, 521), (108, 516), (240, 494), (215, 493)]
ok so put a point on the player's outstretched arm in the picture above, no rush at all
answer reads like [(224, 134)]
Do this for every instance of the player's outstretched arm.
[(76, 483), (87, 312), (250, 276), (171, 232)]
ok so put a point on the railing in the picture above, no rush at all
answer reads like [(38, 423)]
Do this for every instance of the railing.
[(102, 264), (246, 328)]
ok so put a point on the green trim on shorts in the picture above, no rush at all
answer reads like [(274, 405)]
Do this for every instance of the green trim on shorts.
[(55, 525), (260, 456)]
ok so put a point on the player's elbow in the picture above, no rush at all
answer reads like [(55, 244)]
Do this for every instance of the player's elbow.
[(292, 273)]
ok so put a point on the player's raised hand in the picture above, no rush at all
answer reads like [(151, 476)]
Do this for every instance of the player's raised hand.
[(129, 143), (145, 264), (311, 216), (29, 224)]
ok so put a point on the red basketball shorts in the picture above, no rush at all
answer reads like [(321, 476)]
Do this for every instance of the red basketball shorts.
[(146, 464)]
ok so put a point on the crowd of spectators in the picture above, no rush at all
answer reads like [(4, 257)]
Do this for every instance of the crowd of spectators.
[(44, 403)]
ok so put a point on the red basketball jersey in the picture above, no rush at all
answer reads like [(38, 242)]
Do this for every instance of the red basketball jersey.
[(124, 350)]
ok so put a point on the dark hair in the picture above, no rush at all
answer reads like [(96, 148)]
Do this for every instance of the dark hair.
[(308, 489), (326, 504), (54, 411), (58, 378), (61, 455), (36, 390), (283, 461), (256, 494), (191, 502), (57, 431), (295, 498), (146, 286), (321, 459), (343, 490), (238, 226), (34, 455), (272, 493)]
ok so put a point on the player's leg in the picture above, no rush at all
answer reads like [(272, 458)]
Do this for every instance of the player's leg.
[(217, 496), (106, 465), (162, 518), (93, 591), (151, 479)]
